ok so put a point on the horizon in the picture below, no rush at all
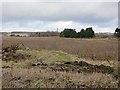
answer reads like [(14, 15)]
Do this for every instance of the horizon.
[(44, 31)]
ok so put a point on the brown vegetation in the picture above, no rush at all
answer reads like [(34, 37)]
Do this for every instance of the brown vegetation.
[(65, 63), (39, 78), (95, 49)]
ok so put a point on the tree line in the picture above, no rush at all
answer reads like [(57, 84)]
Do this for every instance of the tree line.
[(71, 33)]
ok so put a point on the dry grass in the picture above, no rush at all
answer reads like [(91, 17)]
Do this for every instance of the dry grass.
[(23, 75), (56, 51), (95, 49), (43, 78)]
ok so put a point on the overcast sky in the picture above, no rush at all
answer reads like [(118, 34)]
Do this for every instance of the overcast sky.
[(48, 16)]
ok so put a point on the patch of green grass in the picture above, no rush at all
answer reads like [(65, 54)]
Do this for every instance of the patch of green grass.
[(49, 56), (61, 56)]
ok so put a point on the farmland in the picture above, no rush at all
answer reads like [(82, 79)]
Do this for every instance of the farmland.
[(53, 62)]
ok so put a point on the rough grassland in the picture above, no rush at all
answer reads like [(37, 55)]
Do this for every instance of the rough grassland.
[(45, 67), (23, 74), (95, 49)]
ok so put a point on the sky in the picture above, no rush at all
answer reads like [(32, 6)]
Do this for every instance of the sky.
[(36, 16)]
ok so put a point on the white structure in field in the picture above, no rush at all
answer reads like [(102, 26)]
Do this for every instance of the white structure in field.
[(104, 35)]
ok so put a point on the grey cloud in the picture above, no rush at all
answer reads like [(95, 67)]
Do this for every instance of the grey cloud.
[(83, 12), (26, 14), (60, 0)]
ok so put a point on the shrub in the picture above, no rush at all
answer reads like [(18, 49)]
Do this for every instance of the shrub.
[(117, 32)]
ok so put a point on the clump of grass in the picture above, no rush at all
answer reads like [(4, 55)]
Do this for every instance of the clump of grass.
[(43, 78)]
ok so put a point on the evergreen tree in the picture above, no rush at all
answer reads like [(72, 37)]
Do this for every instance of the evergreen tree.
[(68, 33), (89, 33), (117, 32), (71, 33), (82, 33)]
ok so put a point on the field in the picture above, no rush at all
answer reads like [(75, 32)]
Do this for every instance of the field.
[(52, 62)]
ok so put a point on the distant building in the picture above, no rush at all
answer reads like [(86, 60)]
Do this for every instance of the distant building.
[(20, 34), (31, 34), (44, 34), (6, 33), (104, 35)]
